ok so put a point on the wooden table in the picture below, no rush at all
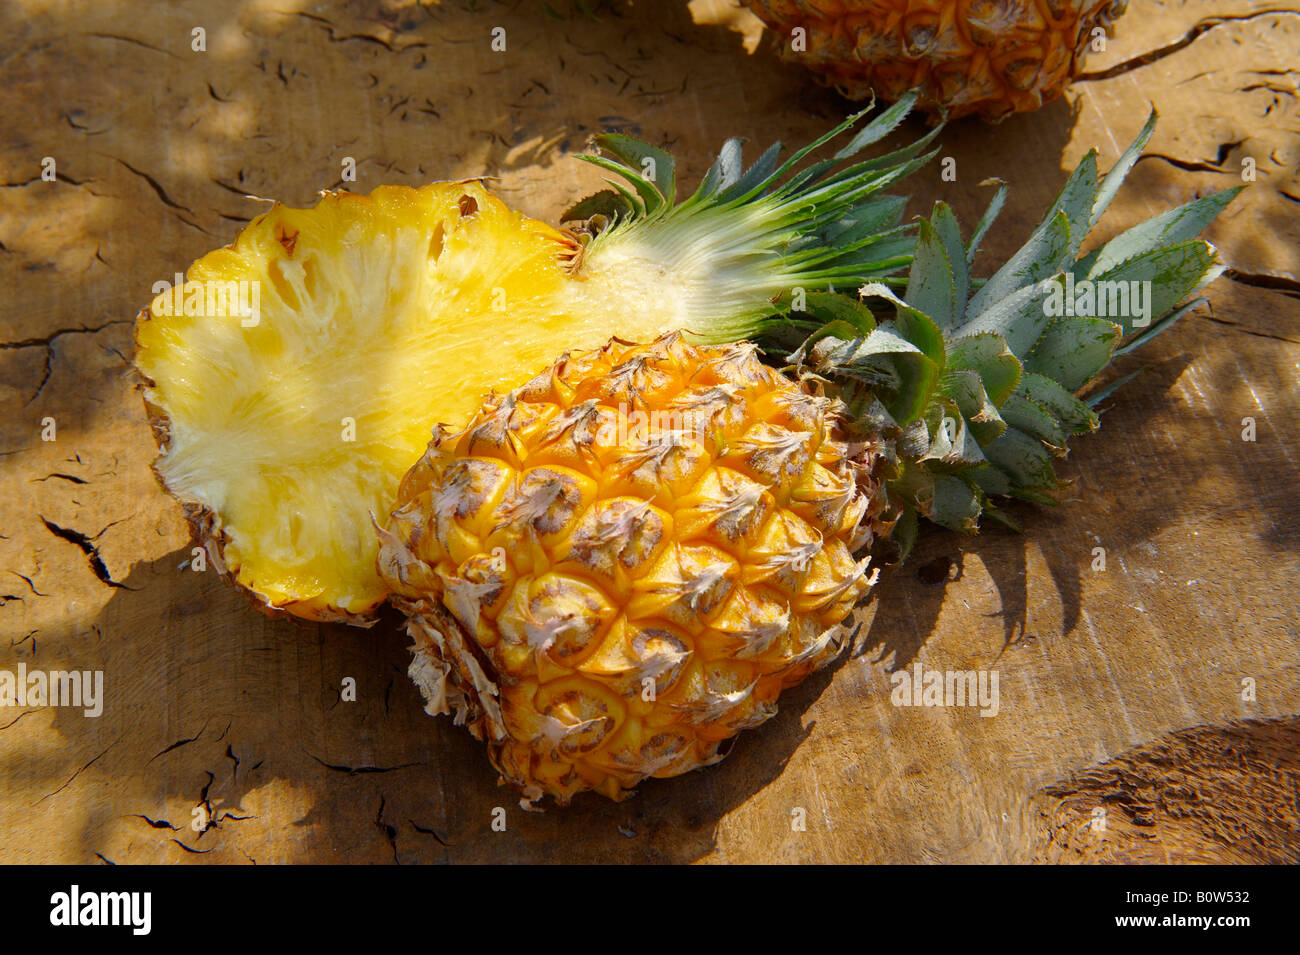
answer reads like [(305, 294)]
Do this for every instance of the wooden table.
[(1121, 690)]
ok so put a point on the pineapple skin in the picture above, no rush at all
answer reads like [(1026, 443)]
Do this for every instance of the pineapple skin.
[(990, 57), (604, 602)]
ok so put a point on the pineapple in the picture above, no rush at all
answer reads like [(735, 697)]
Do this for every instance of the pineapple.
[(284, 431), (992, 57), (610, 569), (615, 568)]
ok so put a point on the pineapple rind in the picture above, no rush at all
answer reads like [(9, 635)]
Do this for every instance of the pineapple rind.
[(991, 57), (603, 605)]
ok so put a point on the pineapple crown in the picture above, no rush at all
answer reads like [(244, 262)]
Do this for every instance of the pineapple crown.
[(974, 382)]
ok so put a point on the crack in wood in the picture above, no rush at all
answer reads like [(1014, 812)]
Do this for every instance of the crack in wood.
[(360, 770), (335, 37), (429, 832), (1273, 283), (157, 823), (47, 342), (16, 719), (73, 536), (30, 586), (153, 183), (197, 852), (133, 41), (60, 476), (78, 772), (1250, 331), (179, 743), (1197, 30), (389, 830)]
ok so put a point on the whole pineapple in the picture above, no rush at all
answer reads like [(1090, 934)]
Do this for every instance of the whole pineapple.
[(991, 57)]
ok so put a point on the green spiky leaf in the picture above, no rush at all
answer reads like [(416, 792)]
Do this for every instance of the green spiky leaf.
[(1023, 459), (872, 217), (753, 176), (727, 169), (1019, 318), (830, 307), (987, 355), (650, 164), (1115, 178), (1072, 413), (953, 447), (1161, 277), (652, 200), (965, 387), (905, 530), (1050, 247), (932, 286), (1072, 350), (990, 479), (952, 503), (607, 202), (987, 219), (880, 127), (1168, 228), (1034, 419), (912, 323)]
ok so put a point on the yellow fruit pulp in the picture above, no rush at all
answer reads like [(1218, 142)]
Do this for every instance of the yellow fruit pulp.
[(376, 317)]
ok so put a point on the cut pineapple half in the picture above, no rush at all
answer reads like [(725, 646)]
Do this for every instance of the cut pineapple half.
[(296, 374), (287, 423)]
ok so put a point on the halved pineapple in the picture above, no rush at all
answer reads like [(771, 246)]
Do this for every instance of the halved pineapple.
[(285, 424), (377, 317)]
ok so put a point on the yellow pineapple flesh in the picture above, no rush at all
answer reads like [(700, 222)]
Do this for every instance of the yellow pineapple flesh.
[(365, 320), (617, 567), (991, 57)]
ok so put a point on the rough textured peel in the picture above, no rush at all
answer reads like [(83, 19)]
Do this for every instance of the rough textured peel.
[(991, 57), (616, 568)]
